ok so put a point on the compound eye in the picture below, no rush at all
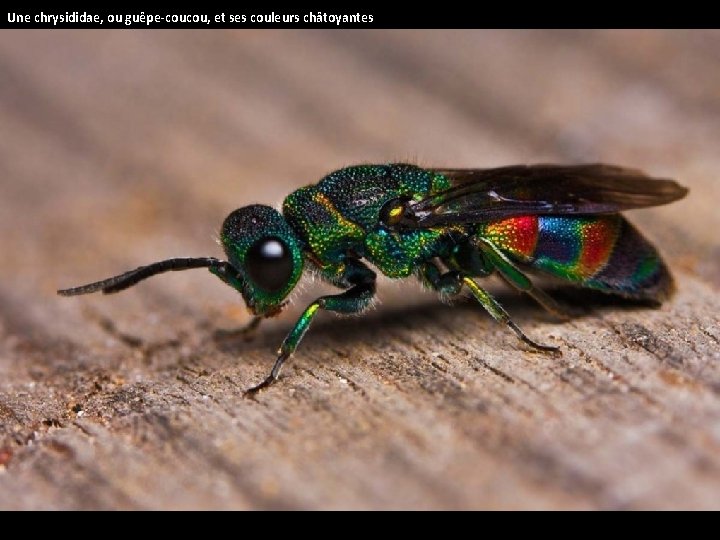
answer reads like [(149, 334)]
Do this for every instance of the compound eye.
[(269, 264)]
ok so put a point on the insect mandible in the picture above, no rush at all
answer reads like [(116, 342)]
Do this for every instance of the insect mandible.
[(447, 227)]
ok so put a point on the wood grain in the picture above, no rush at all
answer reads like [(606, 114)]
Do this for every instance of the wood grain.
[(118, 148)]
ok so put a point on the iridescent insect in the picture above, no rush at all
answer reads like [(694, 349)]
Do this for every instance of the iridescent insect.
[(445, 226)]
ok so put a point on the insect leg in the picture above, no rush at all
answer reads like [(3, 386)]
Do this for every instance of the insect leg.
[(361, 282), (515, 277), (447, 284), (229, 276), (246, 332), (499, 314)]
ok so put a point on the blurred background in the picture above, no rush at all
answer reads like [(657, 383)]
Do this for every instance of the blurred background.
[(118, 148)]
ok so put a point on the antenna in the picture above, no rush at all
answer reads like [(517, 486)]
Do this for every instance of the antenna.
[(128, 279)]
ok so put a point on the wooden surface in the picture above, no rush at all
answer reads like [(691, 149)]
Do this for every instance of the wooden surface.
[(121, 148)]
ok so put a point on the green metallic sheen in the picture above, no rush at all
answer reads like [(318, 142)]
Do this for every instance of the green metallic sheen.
[(240, 231), (340, 214), (439, 226), (342, 219)]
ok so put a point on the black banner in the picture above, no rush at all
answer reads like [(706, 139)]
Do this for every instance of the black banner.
[(179, 18), (436, 17)]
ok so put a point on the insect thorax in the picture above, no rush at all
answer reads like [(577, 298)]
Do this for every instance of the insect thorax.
[(342, 214)]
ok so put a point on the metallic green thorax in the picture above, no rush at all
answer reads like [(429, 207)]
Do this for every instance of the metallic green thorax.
[(341, 214)]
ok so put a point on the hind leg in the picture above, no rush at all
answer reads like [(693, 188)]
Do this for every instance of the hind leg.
[(516, 278), (452, 282), (500, 315)]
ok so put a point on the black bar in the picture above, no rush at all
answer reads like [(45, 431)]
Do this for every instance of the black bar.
[(540, 14)]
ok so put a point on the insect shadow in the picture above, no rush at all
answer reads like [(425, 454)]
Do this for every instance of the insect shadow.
[(387, 319)]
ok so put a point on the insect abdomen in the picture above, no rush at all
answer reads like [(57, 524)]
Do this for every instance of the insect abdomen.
[(635, 268), (601, 252)]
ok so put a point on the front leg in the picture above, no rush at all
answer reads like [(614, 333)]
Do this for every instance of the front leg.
[(360, 281), (246, 332), (230, 276)]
